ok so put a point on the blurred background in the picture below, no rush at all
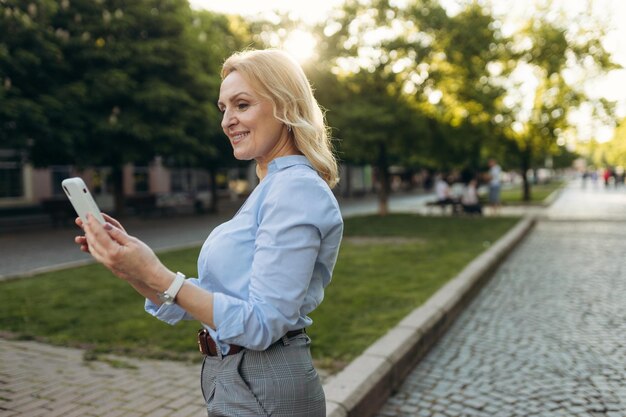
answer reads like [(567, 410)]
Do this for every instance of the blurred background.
[(124, 94)]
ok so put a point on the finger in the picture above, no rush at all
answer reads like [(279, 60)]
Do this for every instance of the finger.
[(79, 222), (118, 234), (97, 238), (105, 241), (113, 221), (91, 242), (81, 241)]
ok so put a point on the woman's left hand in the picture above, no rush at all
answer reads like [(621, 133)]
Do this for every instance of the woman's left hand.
[(126, 256)]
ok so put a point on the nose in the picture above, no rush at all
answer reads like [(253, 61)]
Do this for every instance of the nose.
[(228, 120)]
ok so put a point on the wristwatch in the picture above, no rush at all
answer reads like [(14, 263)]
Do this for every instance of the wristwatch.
[(169, 295)]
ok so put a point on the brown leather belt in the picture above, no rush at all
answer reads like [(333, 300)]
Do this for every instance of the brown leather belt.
[(207, 345)]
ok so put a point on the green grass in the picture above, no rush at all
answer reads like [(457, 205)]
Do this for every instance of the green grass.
[(538, 193), (387, 267)]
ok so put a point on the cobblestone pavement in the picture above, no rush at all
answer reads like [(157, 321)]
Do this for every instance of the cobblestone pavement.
[(545, 337)]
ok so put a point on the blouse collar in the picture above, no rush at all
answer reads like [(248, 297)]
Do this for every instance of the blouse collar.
[(286, 162)]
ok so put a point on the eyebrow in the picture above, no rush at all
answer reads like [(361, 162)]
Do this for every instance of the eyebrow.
[(234, 97)]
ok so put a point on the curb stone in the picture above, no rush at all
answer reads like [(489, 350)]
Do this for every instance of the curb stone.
[(366, 383)]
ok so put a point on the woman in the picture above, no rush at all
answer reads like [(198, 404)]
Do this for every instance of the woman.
[(264, 271), (470, 200)]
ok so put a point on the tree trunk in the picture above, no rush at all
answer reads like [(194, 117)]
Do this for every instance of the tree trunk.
[(383, 178), (525, 168)]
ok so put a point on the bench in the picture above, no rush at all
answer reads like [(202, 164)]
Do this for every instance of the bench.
[(456, 207)]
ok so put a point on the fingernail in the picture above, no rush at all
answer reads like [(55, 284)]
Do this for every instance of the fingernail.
[(107, 226)]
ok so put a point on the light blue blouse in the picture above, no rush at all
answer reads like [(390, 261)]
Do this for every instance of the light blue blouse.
[(268, 266)]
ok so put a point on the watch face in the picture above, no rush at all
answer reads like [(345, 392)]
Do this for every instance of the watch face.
[(165, 298)]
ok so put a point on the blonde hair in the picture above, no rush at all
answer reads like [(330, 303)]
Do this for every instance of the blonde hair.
[(277, 77)]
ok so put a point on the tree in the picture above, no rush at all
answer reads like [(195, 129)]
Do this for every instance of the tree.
[(30, 58), (141, 94), (212, 38), (464, 88), (544, 50), (114, 82), (367, 52), (423, 85), (612, 152), (376, 127)]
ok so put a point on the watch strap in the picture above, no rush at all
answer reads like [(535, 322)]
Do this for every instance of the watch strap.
[(172, 291)]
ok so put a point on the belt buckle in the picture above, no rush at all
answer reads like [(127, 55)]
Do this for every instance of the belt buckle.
[(202, 341), (205, 342)]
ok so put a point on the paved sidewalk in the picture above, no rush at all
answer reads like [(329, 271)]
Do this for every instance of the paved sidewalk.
[(41, 380), (545, 336)]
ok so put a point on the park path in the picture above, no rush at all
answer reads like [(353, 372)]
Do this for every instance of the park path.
[(41, 380), (545, 337)]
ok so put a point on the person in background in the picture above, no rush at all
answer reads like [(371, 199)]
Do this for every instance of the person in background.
[(442, 190), (469, 200), (262, 273), (495, 174)]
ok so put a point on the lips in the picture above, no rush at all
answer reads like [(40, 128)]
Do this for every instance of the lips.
[(237, 137)]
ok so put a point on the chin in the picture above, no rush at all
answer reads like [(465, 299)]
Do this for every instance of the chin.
[(241, 156)]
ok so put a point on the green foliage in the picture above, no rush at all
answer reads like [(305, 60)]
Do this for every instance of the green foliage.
[(104, 83), (549, 50), (611, 153), (30, 58), (411, 84), (404, 82)]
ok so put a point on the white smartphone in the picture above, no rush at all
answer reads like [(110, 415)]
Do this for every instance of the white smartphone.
[(81, 199)]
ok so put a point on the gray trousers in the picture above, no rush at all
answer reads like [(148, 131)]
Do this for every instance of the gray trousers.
[(277, 382)]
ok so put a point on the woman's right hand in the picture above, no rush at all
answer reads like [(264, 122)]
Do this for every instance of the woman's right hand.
[(81, 241)]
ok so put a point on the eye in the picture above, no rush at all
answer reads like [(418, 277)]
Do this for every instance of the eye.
[(242, 106)]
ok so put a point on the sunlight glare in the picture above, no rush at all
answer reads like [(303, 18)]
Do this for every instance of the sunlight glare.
[(300, 45)]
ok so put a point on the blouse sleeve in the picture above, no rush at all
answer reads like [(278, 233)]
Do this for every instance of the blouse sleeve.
[(170, 314)]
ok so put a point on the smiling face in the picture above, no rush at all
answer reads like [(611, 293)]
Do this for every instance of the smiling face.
[(248, 121)]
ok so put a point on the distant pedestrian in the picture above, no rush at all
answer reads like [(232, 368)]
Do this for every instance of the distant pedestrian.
[(495, 184), (263, 272), (443, 193), (606, 176), (442, 190), (469, 200)]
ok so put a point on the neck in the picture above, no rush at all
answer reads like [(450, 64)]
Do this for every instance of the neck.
[(261, 163)]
